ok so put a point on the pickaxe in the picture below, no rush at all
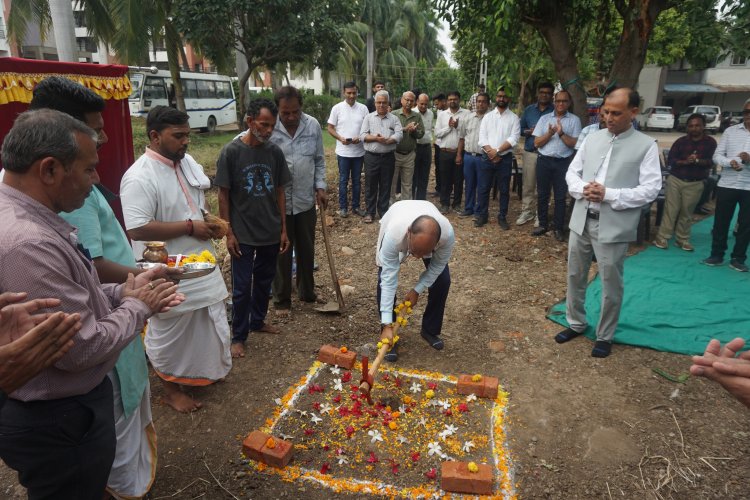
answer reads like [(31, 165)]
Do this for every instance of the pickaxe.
[(368, 376)]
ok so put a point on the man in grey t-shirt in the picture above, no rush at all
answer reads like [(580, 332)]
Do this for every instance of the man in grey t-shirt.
[(251, 174)]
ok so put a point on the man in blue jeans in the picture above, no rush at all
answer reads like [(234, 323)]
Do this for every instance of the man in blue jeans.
[(344, 124), (251, 174), (498, 135)]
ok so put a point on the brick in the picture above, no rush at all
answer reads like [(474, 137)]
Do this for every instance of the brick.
[(254, 447), (485, 388), (333, 356), (456, 478)]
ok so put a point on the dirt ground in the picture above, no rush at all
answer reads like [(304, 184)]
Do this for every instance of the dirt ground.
[(578, 427)]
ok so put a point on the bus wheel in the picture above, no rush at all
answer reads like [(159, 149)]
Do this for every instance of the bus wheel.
[(211, 124)]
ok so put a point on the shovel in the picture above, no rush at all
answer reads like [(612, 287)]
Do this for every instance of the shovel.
[(331, 307)]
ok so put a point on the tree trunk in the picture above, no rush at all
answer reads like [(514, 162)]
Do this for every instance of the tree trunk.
[(173, 41), (638, 24), (370, 61), (243, 93), (552, 29), (63, 26)]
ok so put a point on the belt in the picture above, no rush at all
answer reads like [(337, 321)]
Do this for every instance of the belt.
[(423, 145), (592, 214), (444, 150), (473, 154), (400, 153), (379, 154), (553, 158), (690, 179)]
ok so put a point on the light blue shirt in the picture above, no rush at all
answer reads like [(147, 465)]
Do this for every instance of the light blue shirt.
[(584, 133), (393, 250), (306, 161), (734, 140), (555, 147)]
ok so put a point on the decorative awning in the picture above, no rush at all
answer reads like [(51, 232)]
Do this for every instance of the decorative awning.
[(689, 88)]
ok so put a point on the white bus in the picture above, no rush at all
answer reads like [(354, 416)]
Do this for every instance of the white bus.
[(209, 98)]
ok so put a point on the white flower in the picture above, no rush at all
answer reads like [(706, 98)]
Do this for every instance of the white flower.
[(302, 412), (468, 445), (325, 408), (402, 440), (375, 435), (471, 397), (434, 448), (449, 431), (277, 401), (445, 404), (286, 437), (415, 387), (343, 460), (335, 369), (402, 409), (423, 422), (337, 385), (315, 419)]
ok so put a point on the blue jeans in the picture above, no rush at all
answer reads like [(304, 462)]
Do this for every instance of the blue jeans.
[(488, 171), (347, 167), (471, 171), (550, 176), (252, 275), (432, 320)]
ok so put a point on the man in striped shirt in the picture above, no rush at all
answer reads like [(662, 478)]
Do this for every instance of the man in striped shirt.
[(733, 155)]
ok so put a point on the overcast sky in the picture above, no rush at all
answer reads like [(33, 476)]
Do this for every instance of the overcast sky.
[(446, 42)]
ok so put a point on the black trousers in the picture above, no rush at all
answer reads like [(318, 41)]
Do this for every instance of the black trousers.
[(437, 168), (550, 176), (378, 177), (61, 448), (727, 200), (422, 162), (451, 180)]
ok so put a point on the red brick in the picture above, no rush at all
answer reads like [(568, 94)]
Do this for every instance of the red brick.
[(456, 478), (485, 388), (255, 448), (333, 356)]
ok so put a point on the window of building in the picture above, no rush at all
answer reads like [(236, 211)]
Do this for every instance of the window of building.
[(80, 20), (738, 60), (198, 68)]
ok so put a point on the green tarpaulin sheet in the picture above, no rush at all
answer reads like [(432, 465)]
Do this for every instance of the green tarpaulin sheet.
[(673, 302)]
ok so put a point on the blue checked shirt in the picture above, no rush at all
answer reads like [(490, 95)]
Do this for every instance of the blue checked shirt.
[(555, 147)]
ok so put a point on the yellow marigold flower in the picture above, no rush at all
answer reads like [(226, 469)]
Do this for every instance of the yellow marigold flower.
[(343, 349), (476, 378), (404, 322), (429, 394), (473, 467), (408, 399), (395, 414), (395, 338), (408, 310), (392, 425), (385, 340), (407, 303), (270, 443), (380, 344)]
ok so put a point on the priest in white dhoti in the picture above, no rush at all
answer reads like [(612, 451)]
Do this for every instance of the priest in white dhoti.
[(162, 196)]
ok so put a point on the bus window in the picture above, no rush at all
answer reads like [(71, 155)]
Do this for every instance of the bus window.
[(154, 89), (189, 89), (206, 89), (224, 90)]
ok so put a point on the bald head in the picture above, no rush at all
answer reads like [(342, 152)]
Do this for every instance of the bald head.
[(407, 101), (424, 235), (620, 107)]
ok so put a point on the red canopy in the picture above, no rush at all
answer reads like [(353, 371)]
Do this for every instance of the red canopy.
[(18, 78)]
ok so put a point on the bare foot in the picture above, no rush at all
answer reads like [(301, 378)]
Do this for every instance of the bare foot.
[(266, 328), (283, 312), (181, 402), (237, 350)]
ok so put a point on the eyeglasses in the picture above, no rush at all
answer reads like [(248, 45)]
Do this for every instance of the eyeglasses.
[(560, 101)]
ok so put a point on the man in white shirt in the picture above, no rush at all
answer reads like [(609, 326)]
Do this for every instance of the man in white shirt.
[(498, 135), (447, 136), (344, 125), (423, 157), (609, 194), (414, 228)]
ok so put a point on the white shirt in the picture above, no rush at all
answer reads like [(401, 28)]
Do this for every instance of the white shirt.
[(498, 128), (347, 120), (445, 136), (427, 118), (393, 249), (649, 179), (735, 140), (471, 132)]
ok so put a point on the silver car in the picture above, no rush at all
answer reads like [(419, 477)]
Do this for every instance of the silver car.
[(712, 114)]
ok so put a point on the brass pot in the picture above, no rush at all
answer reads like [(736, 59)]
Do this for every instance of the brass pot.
[(156, 251)]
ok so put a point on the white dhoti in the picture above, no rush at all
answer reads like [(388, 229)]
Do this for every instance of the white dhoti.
[(191, 348), (134, 468)]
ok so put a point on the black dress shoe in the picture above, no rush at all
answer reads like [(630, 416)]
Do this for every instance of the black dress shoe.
[(392, 355), (479, 222), (434, 341), (559, 235), (503, 223), (539, 231)]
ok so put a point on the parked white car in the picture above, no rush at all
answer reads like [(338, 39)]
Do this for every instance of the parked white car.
[(657, 117), (712, 114)]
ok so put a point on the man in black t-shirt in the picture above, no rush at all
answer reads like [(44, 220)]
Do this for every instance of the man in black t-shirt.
[(251, 174)]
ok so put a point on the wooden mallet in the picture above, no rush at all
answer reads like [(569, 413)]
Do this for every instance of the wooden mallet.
[(368, 376)]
